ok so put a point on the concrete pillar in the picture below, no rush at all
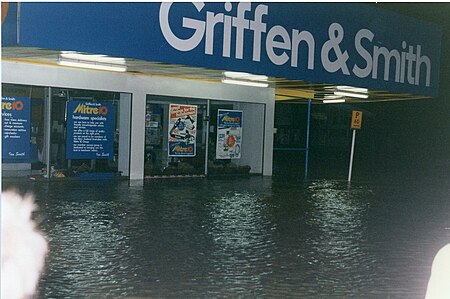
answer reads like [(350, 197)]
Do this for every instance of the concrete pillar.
[(137, 135), (252, 136), (268, 134), (124, 127)]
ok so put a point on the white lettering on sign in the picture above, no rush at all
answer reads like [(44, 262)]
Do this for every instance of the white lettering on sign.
[(406, 63), (282, 46), (240, 24)]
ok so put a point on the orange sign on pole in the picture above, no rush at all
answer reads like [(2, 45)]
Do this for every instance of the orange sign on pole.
[(356, 119)]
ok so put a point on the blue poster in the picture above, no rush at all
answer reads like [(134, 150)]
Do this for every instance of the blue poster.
[(16, 129), (229, 134), (90, 130)]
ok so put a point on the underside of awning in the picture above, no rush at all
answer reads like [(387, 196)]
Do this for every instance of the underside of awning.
[(286, 91)]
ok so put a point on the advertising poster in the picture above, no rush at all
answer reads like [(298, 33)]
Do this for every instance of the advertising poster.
[(90, 130), (182, 130), (229, 134), (15, 128)]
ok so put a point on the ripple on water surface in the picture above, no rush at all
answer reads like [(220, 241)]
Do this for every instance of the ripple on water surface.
[(252, 237)]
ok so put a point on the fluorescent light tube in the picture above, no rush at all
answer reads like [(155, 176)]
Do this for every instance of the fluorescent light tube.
[(93, 65), (352, 89), (92, 61), (245, 76), (351, 94), (247, 83), (335, 101)]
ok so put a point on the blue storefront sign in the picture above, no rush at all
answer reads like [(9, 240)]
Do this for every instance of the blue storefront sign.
[(336, 43), (9, 23), (15, 129), (90, 130)]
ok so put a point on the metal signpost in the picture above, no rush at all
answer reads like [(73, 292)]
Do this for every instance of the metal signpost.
[(308, 124), (355, 125)]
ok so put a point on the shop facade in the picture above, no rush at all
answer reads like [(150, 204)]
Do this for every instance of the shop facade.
[(63, 119), (138, 133)]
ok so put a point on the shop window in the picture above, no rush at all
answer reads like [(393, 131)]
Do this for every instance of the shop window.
[(226, 139), (84, 131), (22, 129), (217, 143), (163, 133), (82, 140)]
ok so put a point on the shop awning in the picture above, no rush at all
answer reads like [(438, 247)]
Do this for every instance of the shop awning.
[(307, 50)]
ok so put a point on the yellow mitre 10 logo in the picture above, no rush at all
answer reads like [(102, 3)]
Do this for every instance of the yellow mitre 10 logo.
[(230, 119), (85, 109), (180, 149)]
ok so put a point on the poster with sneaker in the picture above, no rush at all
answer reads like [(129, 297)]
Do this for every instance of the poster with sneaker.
[(229, 134), (182, 130)]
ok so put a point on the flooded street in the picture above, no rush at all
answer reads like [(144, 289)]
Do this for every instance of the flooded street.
[(204, 149), (252, 237)]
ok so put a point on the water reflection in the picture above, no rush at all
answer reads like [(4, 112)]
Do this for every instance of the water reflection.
[(241, 231), (340, 247), (241, 238), (85, 241)]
